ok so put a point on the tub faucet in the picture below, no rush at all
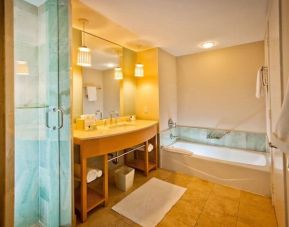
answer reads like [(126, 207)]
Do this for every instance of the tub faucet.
[(171, 123), (173, 137)]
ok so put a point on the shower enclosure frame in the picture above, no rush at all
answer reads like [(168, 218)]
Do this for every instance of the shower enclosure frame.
[(7, 109), (6, 115)]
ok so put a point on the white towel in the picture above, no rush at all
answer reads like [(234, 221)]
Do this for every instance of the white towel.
[(92, 174), (282, 126), (91, 93), (150, 147), (259, 84)]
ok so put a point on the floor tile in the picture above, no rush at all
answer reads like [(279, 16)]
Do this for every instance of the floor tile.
[(182, 214), (203, 204), (219, 210), (226, 192)]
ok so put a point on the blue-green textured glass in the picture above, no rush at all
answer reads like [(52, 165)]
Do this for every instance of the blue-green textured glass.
[(42, 155)]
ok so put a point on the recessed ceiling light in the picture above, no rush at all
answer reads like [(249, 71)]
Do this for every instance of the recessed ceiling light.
[(110, 65), (208, 44)]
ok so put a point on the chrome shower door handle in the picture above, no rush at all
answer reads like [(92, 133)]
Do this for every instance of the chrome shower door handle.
[(47, 118), (61, 113), (54, 110)]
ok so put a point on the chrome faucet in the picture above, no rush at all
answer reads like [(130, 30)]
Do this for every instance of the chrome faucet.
[(114, 114), (116, 117), (111, 117)]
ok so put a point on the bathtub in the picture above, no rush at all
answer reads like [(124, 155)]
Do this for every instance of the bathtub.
[(245, 170)]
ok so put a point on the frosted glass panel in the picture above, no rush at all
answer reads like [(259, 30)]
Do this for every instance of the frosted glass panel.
[(42, 86)]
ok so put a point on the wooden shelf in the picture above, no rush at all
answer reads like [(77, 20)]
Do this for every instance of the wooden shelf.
[(93, 199), (140, 165), (77, 179)]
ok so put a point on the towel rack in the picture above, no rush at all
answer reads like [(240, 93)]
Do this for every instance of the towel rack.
[(127, 152), (92, 85), (264, 70)]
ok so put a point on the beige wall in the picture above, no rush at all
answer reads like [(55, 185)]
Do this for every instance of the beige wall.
[(92, 77), (76, 76), (111, 93), (167, 88), (147, 92), (285, 41), (216, 89), (128, 84)]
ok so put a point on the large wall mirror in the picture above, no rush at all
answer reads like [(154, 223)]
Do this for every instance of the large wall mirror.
[(101, 93)]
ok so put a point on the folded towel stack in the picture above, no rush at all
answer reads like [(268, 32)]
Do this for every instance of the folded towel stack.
[(91, 175)]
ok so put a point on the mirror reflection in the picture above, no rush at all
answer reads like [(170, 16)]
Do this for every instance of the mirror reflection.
[(100, 88)]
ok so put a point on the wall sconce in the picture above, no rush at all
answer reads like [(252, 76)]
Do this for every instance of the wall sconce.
[(22, 68), (118, 73), (84, 53), (139, 70)]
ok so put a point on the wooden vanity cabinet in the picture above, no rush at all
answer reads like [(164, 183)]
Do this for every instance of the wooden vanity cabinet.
[(86, 199)]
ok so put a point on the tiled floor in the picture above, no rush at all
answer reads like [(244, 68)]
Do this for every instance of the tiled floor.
[(203, 204)]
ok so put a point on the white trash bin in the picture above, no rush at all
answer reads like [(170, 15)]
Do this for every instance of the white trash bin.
[(123, 177)]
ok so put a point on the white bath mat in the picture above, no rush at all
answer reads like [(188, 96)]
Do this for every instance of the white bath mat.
[(148, 204)]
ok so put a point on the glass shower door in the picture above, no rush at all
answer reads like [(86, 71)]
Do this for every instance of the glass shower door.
[(42, 126)]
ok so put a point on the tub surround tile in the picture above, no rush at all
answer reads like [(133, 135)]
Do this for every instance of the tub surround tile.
[(165, 136), (233, 139), (256, 142), (236, 140)]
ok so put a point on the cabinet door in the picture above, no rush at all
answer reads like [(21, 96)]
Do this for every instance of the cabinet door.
[(276, 93)]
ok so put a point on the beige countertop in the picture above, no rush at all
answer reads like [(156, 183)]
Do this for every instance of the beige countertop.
[(113, 130)]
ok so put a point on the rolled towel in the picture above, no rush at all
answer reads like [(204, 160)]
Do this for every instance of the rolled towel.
[(91, 175), (150, 148)]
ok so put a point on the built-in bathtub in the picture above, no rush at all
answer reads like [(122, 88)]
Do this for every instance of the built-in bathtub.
[(242, 169)]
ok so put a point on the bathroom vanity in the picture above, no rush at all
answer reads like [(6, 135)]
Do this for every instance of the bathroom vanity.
[(109, 139)]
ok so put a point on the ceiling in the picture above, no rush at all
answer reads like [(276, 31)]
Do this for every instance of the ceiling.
[(102, 26), (178, 26)]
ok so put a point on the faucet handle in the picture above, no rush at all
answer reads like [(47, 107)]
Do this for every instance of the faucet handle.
[(171, 123)]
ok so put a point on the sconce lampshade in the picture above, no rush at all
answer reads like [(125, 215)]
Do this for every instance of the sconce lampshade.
[(139, 70), (21, 68), (118, 73), (84, 56)]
